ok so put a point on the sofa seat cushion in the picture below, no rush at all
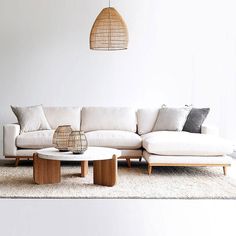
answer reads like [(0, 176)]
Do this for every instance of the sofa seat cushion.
[(35, 140), (114, 139), (186, 160), (184, 143)]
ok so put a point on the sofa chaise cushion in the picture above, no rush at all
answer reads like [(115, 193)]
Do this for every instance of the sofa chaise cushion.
[(184, 143), (35, 140), (63, 116), (186, 160), (114, 139), (108, 118)]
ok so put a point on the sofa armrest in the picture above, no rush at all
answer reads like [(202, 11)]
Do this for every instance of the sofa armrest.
[(211, 130), (10, 132)]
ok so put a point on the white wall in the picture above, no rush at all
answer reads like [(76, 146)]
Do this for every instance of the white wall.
[(180, 52)]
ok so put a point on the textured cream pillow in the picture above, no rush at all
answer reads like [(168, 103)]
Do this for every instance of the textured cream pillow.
[(171, 119), (31, 118)]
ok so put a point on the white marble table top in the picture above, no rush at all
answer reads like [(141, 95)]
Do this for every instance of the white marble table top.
[(92, 154)]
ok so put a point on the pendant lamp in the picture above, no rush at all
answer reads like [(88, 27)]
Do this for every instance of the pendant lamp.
[(109, 31)]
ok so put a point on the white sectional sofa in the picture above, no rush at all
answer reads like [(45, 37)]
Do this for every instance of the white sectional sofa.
[(126, 129)]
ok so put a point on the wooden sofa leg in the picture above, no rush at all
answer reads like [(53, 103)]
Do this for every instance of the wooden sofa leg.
[(149, 169), (225, 170), (128, 162), (17, 161)]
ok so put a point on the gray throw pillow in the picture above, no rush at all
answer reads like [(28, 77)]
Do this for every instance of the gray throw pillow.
[(31, 118), (195, 119), (171, 119)]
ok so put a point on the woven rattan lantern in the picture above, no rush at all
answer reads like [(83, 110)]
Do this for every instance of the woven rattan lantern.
[(77, 143), (61, 137), (109, 31)]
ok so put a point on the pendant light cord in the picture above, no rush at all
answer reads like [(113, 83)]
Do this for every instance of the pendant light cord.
[(109, 3)]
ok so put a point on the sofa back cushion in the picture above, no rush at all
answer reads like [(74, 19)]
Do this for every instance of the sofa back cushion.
[(146, 120), (108, 118), (63, 116)]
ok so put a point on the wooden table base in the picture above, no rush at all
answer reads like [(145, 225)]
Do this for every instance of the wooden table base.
[(46, 171), (49, 171), (105, 172)]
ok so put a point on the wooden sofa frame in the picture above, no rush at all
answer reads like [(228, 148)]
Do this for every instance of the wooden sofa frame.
[(188, 165), (128, 159), (18, 158)]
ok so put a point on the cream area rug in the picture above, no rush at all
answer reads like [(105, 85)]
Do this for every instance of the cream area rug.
[(164, 183)]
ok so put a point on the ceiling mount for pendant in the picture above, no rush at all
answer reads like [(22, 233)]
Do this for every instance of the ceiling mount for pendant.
[(109, 31)]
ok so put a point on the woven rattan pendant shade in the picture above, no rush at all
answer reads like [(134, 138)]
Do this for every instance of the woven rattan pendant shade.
[(109, 31)]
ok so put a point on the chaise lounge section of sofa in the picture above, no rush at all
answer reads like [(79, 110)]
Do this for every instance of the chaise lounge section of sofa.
[(172, 148)]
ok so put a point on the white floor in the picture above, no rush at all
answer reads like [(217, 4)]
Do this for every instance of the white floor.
[(117, 217)]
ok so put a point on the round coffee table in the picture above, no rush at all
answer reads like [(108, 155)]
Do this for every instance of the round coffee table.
[(47, 165)]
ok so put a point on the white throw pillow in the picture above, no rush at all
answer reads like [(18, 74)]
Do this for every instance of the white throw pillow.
[(31, 118), (171, 119)]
